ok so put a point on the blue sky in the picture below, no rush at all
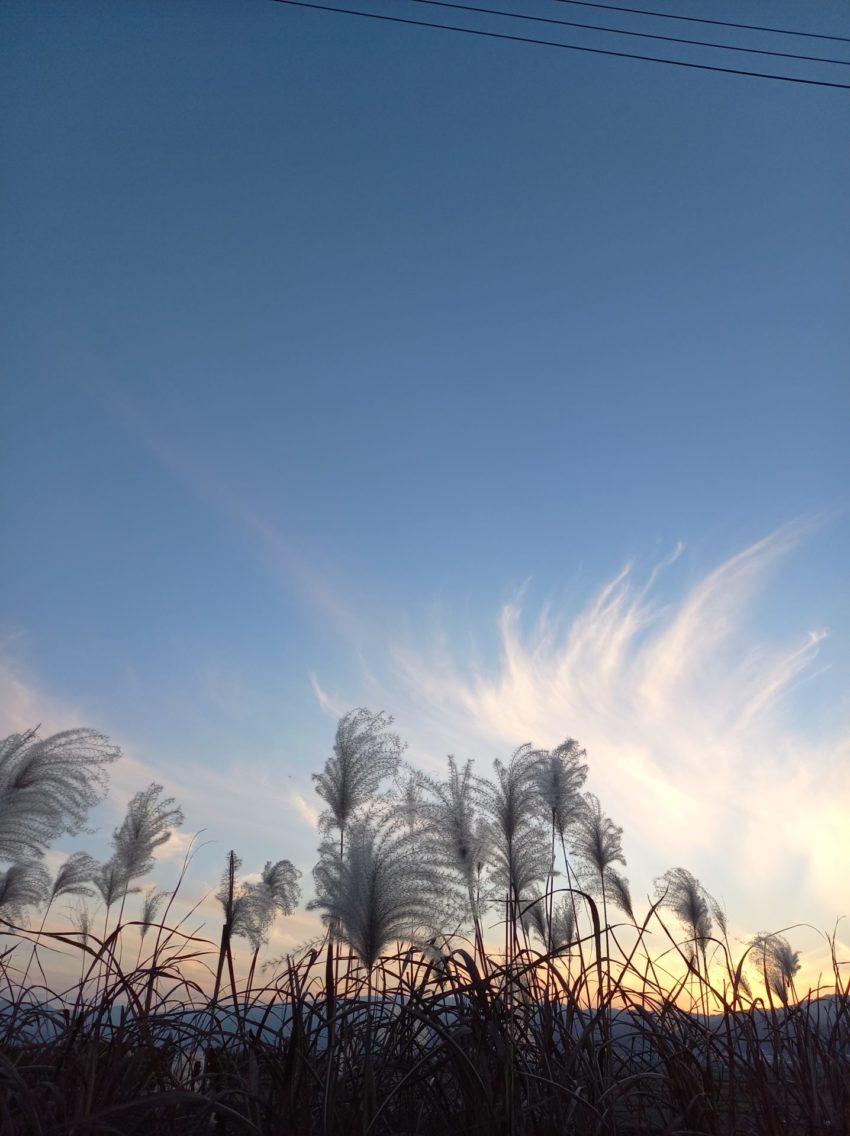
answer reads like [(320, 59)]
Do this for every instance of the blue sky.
[(349, 363)]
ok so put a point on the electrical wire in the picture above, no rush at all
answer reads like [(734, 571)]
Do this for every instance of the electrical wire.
[(564, 46), (624, 32), (703, 20)]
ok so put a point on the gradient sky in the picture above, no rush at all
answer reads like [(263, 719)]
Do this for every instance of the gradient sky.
[(501, 388)]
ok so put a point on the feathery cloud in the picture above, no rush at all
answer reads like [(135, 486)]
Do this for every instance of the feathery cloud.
[(682, 709)]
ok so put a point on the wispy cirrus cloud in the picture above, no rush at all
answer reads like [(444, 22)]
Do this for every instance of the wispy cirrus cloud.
[(291, 563), (682, 707), (329, 703)]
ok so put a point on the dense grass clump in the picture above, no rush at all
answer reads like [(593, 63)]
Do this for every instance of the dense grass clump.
[(482, 971)]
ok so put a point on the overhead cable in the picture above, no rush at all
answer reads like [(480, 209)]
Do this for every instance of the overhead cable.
[(625, 32), (703, 20), (564, 46)]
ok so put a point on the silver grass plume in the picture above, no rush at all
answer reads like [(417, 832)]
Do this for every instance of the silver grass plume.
[(151, 904), (597, 840), (520, 856), (689, 901), (777, 963), (227, 893), (81, 920), (454, 834), (112, 881), (47, 787), (717, 912), (74, 876), (250, 910), (379, 890), (364, 754), (278, 886), (146, 826), (534, 918), (562, 930), (239, 905), (520, 866), (24, 884), (408, 802), (617, 886), (558, 776)]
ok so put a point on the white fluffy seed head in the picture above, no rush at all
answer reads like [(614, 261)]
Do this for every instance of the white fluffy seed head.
[(520, 854), (557, 935), (47, 787), (112, 881), (151, 904), (776, 962), (454, 833), (147, 825), (250, 908), (689, 901), (597, 840), (558, 777), (380, 889), (617, 886), (23, 884), (74, 876), (365, 753)]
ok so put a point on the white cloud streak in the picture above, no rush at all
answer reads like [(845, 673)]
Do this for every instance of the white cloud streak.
[(682, 710), (331, 706)]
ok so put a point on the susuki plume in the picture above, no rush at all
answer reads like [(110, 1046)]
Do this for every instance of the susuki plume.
[(146, 826), (278, 885), (242, 912), (408, 803), (378, 890), (74, 876), (776, 962), (24, 884), (112, 881), (563, 926), (250, 909), (617, 886), (597, 840), (520, 856), (455, 836), (689, 901), (47, 787), (150, 909), (81, 918), (364, 754), (558, 777)]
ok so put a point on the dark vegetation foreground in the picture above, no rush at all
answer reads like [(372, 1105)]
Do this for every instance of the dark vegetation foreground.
[(426, 1045)]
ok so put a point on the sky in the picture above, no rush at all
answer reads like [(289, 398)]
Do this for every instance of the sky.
[(498, 387)]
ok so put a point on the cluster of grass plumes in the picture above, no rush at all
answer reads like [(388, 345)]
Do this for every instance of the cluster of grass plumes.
[(482, 971)]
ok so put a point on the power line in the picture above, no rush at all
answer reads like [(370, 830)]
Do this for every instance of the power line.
[(702, 20), (624, 32), (563, 46)]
